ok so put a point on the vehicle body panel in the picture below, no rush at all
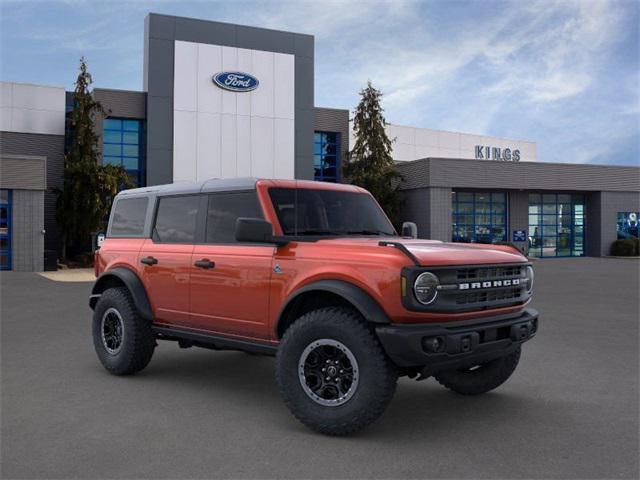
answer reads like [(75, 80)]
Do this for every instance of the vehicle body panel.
[(233, 296), (245, 293), (168, 282)]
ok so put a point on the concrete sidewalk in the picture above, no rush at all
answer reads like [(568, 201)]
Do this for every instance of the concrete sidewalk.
[(70, 275)]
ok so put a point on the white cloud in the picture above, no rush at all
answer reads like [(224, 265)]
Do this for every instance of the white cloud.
[(528, 69), (556, 54)]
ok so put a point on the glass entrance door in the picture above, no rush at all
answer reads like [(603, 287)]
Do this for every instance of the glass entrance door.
[(556, 225), (5, 229)]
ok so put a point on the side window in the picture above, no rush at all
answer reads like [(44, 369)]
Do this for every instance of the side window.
[(128, 217), (224, 209), (176, 219)]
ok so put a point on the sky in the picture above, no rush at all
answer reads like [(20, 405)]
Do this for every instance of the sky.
[(565, 74)]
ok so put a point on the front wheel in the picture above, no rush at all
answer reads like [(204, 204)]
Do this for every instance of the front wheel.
[(332, 372), (480, 378)]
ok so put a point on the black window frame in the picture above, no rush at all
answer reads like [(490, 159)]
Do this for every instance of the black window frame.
[(198, 233), (205, 222)]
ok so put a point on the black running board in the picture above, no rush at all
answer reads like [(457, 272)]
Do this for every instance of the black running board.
[(215, 342)]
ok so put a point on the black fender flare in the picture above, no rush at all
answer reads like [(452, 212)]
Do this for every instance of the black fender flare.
[(356, 296), (131, 281)]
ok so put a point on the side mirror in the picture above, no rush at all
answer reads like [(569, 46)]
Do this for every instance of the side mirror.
[(250, 230), (409, 229)]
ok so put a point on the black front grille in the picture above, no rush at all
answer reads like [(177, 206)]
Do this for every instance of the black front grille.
[(483, 297), (472, 287)]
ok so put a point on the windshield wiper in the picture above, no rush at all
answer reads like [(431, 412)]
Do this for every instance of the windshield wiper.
[(344, 232), (368, 232), (320, 232)]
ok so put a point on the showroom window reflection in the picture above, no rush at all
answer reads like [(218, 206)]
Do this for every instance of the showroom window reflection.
[(326, 157), (627, 225), (123, 145), (479, 217)]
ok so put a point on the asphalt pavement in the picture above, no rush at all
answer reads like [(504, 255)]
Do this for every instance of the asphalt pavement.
[(569, 411)]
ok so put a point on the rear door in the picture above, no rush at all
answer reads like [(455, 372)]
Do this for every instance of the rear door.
[(165, 258), (230, 281)]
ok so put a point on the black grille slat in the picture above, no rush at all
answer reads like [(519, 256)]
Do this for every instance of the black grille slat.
[(484, 297), (484, 273)]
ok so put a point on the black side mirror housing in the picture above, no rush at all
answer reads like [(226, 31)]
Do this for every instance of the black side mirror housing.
[(410, 230), (256, 230)]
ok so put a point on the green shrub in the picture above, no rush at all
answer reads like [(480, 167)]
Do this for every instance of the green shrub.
[(624, 248)]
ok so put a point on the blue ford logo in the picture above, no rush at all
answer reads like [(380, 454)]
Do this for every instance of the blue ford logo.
[(236, 81)]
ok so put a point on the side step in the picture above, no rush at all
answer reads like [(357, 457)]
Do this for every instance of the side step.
[(215, 342)]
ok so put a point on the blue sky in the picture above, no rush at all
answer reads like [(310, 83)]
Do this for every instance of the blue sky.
[(564, 74)]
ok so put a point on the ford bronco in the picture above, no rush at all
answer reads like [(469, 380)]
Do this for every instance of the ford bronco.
[(315, 274)]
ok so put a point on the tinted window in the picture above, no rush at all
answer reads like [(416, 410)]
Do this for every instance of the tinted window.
[(224, 210), (176, 219), (128, 217), (328, 212)]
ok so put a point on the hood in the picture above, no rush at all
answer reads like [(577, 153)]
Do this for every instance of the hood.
[(435, 253), (440, 253)]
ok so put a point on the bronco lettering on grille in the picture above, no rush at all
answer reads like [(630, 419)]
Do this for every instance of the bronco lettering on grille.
[(490, 284)]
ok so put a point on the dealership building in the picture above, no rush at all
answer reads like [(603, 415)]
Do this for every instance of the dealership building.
[(222, 101)]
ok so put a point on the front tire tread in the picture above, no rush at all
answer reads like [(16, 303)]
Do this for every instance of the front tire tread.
[(353, 326)]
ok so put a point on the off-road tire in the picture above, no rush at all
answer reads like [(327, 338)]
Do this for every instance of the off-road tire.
[(483, 379), (138, 341), (377, 375)]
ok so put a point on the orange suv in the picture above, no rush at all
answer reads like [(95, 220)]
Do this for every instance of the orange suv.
[(315, 274)]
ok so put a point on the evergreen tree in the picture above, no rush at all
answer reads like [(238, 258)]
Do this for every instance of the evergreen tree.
[(84, 202), (370, 163)]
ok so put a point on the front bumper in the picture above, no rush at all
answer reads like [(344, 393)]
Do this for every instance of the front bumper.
[(438, 347)]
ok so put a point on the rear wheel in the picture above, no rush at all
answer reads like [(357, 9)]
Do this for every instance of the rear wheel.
[(480, 378), (122, 339), (332, 372)]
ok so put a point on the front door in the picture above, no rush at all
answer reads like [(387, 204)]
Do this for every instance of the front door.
[(5, 229), (230, 281), (165, 259)]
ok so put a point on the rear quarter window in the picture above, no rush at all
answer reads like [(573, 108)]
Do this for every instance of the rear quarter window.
[(128, 217)]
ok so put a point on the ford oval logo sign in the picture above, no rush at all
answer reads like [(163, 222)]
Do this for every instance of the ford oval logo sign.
[(236, 81)]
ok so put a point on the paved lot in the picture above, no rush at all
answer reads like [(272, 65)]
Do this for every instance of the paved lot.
[(571, 409)]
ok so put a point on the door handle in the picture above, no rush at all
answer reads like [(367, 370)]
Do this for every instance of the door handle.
[(204, 263), (149, 261)]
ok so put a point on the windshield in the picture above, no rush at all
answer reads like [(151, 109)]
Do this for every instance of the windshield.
[(328, 212)]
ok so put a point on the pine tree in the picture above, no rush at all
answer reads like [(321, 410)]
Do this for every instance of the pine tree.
[(370, 163), (84, 202)]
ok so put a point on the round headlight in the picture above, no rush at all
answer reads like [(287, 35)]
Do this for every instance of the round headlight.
[(529, 274), (425, 288)]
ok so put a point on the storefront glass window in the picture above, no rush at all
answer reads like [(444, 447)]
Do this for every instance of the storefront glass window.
[(479, 217), (556, 225), (326, 157), (123, 144), (627, 225)]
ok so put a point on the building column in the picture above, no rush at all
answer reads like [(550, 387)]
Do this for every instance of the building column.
[(518, 218), (439, 207), (430, 210)]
